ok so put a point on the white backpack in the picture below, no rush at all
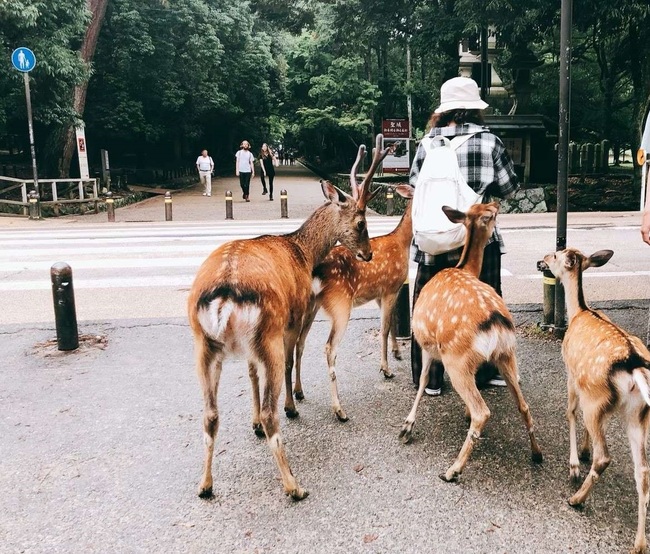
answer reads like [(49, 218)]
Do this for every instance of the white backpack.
[(440, 183)]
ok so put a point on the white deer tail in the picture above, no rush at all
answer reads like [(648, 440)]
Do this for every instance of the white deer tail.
[(640, 376)]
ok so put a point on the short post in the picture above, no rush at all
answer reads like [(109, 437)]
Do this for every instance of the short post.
[(605, 153), (34, 206), (110, 206), (284, 210), (390, 202), (548, 307), (583, 161), (229, 204), (402, 313), (598, 157), (65, 315), (168, 206)]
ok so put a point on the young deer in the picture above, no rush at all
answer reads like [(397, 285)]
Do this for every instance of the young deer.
[(463, 322), (341, 283), (608, 370), (250, 297)]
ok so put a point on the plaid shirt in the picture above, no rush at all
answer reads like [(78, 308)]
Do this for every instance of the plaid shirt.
[(487, 168)]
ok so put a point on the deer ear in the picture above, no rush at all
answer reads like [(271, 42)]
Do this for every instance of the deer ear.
[(570, 259), (597, 259), (455, 216), (332, 193), (405, 191)]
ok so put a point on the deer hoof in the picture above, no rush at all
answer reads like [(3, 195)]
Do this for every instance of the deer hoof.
[(298, 494), (585, 455), (387, 373), (291, 413), (397, 354), (299, 395), (205, 492), (537, 457), (406, 433), (341, 415), (575, 503), (574, 474), (258, 430), (449, 477)]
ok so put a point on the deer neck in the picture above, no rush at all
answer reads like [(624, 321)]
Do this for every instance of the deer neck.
[(404, 230), (575, 298), (317, 235), (472, 257)]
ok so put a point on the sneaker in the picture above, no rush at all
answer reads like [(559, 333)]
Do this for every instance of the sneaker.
[(205, 194), (265, 192), (497, 381), (270, 198), (208, 194), (432, 392)]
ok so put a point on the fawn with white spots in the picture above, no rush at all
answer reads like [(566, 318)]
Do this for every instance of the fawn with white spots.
[(463, 322), (341, 283), (608, 371), (249, 298)]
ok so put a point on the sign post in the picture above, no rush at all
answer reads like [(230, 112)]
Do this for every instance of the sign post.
[(24, 61), (396, 131), (82, 153)]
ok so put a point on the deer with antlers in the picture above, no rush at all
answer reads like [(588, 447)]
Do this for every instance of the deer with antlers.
[(608, 371), (463, 322), (341, 283), (250, 296)]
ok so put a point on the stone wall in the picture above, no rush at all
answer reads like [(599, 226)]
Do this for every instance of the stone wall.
[(525, 201)]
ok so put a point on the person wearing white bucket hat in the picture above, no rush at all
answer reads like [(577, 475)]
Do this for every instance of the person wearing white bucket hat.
[(488, 169)]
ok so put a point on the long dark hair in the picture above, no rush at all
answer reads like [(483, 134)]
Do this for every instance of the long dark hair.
[(457, 116)]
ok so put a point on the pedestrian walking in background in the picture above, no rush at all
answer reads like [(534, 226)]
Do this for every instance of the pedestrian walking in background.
[(267, 166), (205, 167), (245, 168), (488, 169)]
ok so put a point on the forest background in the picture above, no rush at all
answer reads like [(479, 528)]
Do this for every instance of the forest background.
[(156, 81)]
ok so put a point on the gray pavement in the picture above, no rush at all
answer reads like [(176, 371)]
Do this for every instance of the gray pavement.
[(101, 449)]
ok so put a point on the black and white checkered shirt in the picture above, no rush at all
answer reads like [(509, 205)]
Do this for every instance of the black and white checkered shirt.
[(486, 166)]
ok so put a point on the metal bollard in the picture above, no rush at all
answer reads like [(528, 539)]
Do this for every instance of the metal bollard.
[(34, 206), (110, 206), (284, 210), (402, 312), (548, 308), (168, 206), (65, 315), (229, 204), (390, 202)]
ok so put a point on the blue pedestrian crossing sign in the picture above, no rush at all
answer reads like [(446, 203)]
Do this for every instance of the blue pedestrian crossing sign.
[(23, 59)]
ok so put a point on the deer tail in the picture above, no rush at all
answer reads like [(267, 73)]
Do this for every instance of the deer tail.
[(641, 377)]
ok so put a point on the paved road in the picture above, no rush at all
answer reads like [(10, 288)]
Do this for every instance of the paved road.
[(101, 448)]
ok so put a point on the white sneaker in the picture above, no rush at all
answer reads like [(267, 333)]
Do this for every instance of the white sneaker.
[(432, 392), (205, 194), (497, 381), (208, 194)]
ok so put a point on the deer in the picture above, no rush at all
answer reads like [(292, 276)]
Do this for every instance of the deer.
[(340, 283), (463, 322), (249, 297), (608, 371)]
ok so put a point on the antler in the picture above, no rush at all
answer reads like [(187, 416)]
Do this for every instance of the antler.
[(378, 155), (353, 172)]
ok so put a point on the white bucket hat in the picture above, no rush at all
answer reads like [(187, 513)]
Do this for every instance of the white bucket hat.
[(460, 93)]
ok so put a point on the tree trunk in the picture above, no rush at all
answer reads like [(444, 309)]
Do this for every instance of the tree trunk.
[(68, 140)]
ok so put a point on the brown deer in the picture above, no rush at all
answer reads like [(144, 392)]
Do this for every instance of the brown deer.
[(341, 283), (463, 322), (249, 297), (608, 370)]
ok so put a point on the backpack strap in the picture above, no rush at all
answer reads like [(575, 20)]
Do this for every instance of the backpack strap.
[(459, 140)]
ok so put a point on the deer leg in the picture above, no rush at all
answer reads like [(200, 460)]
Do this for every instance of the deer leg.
[(507, 366), (637, 432), (308, 320), (464, 383), (340, 321), (585, 447), (255, 390), (572, 406), (273, 361), (387, 304), (407, 429), (290, 339), (208, 368), (595, 421)]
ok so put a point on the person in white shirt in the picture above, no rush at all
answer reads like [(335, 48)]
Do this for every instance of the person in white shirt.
[(244, 167), (205, 165)]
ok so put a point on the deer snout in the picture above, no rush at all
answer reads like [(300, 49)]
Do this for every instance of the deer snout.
[(365, 257), (542, 265)]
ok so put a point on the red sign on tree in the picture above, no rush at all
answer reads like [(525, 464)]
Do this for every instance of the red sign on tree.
[(395, 128)]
